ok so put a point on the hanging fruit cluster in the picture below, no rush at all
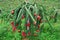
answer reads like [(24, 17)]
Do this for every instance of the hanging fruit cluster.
[(27, 19)]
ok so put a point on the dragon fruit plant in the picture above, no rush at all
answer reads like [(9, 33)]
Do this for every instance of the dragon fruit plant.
[(29, 20)]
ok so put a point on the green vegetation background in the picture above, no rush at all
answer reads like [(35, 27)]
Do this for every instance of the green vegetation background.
[(5, 27)]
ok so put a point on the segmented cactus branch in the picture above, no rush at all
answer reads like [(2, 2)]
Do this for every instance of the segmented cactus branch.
[(28, 19)]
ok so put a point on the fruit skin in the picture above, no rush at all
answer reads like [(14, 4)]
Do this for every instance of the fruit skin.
[(38, 17), (14, 28), (12, 23), (38, 26), (29, 33), (12, 11), (28, 24), (18, 30), (34, 14), (34, 23), (41, 21), (23, 34), (35, 34), (22, 16), (16, 24), (37, 30)]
